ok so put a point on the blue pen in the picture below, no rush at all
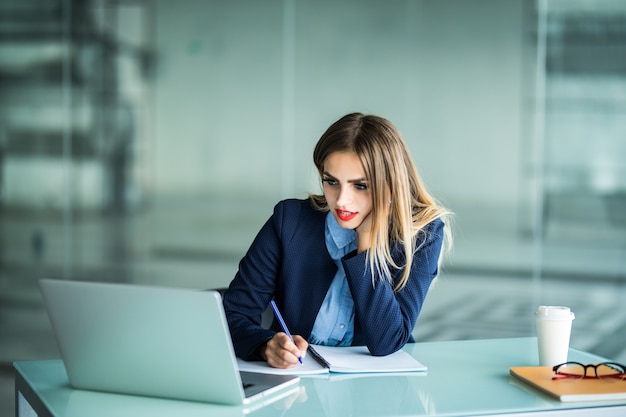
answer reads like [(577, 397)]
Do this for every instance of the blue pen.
[(282, 323)]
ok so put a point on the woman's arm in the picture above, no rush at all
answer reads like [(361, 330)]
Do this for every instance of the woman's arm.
[(287, 261), (386, 318), (251, 290)]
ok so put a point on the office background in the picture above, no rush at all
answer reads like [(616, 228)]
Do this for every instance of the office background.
[(147, 142)]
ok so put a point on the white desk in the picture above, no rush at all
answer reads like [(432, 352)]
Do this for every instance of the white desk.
[(464, 378)]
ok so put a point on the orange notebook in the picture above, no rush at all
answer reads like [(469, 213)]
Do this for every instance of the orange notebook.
[(567, 390)]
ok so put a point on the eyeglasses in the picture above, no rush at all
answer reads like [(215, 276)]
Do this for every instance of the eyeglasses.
[(576, 370)]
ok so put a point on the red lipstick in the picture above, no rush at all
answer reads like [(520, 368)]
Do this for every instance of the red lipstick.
[(345, 215)]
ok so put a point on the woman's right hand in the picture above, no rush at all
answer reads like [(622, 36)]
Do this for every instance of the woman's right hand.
[(363, 234), (281, 352)]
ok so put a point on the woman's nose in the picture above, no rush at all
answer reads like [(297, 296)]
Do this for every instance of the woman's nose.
[(344, 196)]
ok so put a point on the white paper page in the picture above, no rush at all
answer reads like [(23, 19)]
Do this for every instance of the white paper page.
[(309, 367), (358, 359)]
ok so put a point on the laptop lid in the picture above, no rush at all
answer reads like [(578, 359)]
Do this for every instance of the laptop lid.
[(153, 341)]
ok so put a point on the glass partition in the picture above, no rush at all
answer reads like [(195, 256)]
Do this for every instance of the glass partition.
[(582, 194)]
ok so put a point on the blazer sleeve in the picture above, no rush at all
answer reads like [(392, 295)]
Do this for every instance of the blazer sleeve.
[(250, 292), (386, 318), (288, 261)]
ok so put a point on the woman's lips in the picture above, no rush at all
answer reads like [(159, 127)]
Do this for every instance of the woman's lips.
[(345, 215)]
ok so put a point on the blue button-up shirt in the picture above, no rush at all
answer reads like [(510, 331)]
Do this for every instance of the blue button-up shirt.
[(334, 325)]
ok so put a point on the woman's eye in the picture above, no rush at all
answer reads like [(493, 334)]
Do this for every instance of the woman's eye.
[(330, 181), (361, 187)]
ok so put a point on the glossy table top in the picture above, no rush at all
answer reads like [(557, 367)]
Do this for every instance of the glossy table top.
[(463, 378)]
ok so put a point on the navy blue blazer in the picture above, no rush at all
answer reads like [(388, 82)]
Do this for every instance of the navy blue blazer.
[(288, 261)]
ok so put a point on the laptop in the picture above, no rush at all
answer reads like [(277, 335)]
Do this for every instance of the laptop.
[(152, 341)]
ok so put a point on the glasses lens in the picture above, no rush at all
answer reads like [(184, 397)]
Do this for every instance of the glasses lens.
[(572, 370), (610, 371)]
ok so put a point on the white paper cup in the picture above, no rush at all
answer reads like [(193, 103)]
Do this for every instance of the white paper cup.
[(554, 327)]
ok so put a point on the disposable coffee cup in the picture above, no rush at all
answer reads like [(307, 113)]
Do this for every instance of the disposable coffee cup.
[(554, 327)]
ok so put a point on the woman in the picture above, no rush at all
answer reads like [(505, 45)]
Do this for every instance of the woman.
[(349, 267)]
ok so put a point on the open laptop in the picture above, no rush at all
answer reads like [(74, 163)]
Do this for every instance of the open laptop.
[(152, 341)]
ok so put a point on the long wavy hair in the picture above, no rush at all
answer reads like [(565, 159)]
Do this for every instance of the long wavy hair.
[(401, 205)]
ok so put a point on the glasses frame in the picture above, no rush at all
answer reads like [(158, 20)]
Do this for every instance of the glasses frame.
[(614, 365)]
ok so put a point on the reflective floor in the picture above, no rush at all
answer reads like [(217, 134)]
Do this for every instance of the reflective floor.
[(486, 289)]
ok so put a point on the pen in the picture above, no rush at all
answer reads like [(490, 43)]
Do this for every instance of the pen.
[(282, 323)]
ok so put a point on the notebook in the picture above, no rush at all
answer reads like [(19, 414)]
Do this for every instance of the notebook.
[(568, 390), (345, 360), (152, 341)]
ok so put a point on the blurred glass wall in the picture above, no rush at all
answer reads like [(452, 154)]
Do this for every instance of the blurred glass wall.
[(147, 141)]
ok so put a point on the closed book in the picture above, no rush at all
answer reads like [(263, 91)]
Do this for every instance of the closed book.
[(571, 389)]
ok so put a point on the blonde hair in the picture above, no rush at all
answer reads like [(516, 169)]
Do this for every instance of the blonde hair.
[(401, 205)]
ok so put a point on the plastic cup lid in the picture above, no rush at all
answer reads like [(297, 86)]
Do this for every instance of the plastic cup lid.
[(554, 313)]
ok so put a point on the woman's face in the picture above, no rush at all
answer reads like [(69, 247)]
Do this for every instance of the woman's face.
[(346, 189)]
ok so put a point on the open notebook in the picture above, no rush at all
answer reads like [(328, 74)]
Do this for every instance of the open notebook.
[(352, 359)]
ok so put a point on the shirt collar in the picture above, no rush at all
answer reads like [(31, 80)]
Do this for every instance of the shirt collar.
[(340, 236)]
